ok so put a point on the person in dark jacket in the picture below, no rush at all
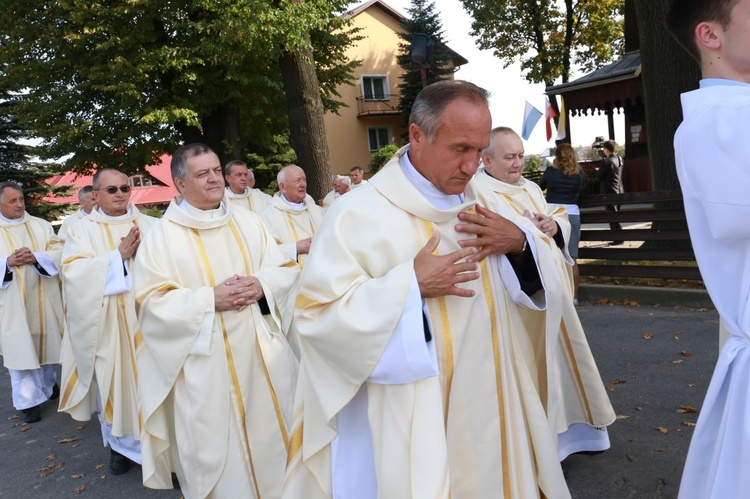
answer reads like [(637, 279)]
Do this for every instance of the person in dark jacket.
[(564, 181), (609, 176)]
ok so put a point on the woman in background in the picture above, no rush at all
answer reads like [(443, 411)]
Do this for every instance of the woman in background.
[(564, 181)]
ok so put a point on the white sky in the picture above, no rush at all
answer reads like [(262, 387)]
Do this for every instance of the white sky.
[(508, 88)]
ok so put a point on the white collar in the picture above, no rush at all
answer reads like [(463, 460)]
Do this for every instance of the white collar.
[(202, 214), (298, 206), (431, 193)]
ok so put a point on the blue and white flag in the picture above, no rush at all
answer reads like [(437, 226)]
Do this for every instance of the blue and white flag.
[(531, 116)]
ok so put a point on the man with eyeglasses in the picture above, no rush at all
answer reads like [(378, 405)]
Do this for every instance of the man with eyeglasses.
[(292, 217), (30, 303), (99, 347)]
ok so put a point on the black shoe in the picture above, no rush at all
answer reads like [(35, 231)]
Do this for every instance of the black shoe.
[(118, 464), (616, 243), (175, 481), (32, 415), (55, 392)]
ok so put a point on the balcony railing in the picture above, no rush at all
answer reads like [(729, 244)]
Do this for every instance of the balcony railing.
[(381, 105)]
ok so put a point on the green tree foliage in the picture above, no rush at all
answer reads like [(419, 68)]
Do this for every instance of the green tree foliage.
[(422, 19), (547, 36), (16, 165), (119, 83), (382, 157)]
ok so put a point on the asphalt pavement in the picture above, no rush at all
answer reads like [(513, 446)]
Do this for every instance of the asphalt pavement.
[(656, 363)]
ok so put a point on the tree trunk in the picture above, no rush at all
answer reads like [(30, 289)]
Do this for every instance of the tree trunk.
[(221, 132), (668, 71), (307, 133)]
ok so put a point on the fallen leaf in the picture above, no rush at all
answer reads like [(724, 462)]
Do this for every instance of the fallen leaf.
[(99, 466), (15, 416), (619, 416), (67, 440), (689, 424), (633, 303), (691, 385), (648, 336), (45, 473), (80, 427), (663, 450), (618, 381), (25, 428), (77, 475), (601, 301), (684, 409), (79, 489), (686, 354), (74, 445), (51, 457), (678, 361), (57, 436), (633, 376), (638, 408), (611, 388), (677, 332), (662, 429)]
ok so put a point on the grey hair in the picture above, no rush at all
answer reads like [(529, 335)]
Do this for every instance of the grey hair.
[(183, 154), (494, 133), (281, 176), (347, 181), (8, 185), (86, 189), (428, 107), (228, 166), (98, 175)]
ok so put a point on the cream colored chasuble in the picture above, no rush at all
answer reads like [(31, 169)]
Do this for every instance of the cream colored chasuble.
[(102, 327), (289, 224), (252, 199), (478, 429), (31, 312), (216, 387), (568, 379)]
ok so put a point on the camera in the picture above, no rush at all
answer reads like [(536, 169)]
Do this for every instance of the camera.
[(598, 146)]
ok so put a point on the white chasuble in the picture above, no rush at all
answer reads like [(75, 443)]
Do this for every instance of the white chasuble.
[(477, 429), (69, 222), (101, 327), (714, 177), (289, 224), (215, 412), (252, 199), (31, 312), (568, 379)]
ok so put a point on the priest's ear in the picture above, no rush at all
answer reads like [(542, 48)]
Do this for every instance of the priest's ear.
[(179, 184)]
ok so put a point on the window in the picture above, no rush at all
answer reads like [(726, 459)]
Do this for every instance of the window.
[(379, 137), (140, 181), (375, 87)]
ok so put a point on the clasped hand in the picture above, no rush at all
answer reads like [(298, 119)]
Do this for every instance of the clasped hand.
[(495, 234), (22, 256), (236, 293)]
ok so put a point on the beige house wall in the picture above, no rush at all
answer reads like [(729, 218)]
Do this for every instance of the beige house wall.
[(347, 134)]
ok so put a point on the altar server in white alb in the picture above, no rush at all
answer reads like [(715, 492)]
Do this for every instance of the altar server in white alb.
[(31, 309), (98, 352), (412, 383), (216, 373), (293, 217), (86, 202), (569, 383), (714, 173), (241, 189)]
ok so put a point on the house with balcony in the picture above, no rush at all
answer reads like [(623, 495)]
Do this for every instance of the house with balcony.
[(371, 119)]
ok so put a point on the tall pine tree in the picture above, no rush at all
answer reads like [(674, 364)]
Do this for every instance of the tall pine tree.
[(16, 165), (422, 19)]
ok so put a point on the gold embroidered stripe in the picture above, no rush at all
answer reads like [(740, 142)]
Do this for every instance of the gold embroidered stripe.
[(496, 355), (574, 363)]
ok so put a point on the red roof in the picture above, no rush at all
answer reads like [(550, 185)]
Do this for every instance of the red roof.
[(146, 195)]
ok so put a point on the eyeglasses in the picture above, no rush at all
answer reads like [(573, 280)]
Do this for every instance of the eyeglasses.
[(113, 190)]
